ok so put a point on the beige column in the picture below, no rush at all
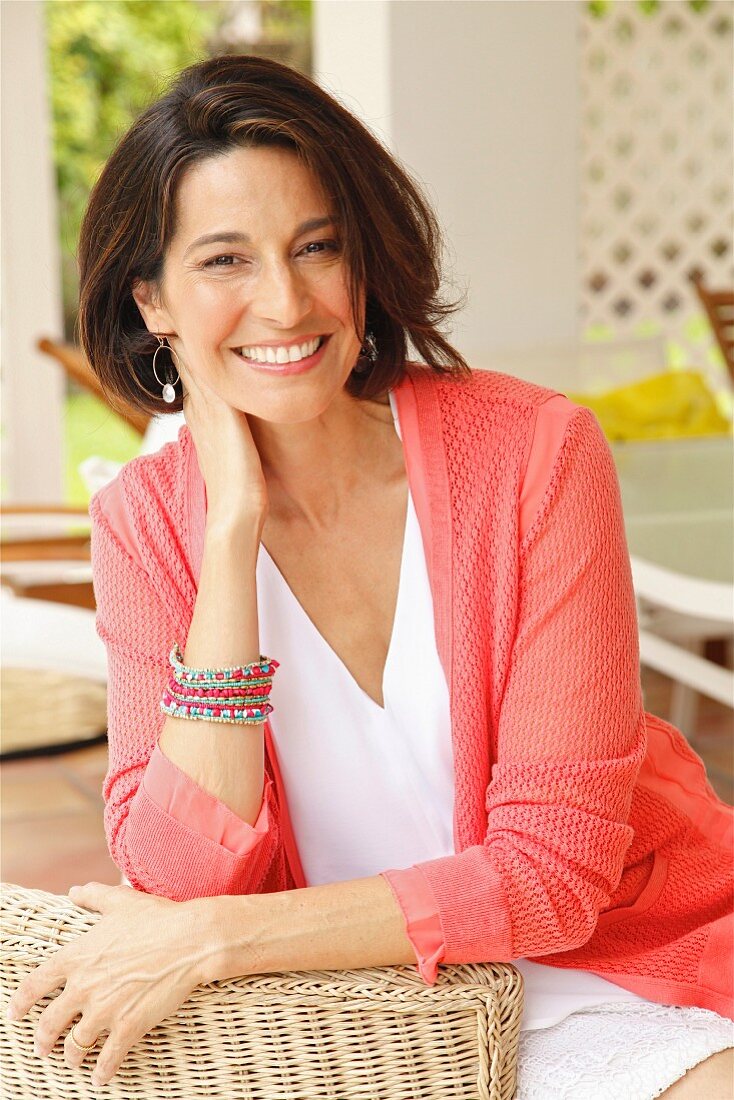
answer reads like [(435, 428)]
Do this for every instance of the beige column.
[(480, 99), (32, 387)]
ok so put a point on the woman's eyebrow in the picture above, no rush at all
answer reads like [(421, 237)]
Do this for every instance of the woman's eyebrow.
[(243, 238)]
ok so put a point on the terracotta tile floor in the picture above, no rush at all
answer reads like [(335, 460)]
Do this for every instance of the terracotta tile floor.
[(51, 807)]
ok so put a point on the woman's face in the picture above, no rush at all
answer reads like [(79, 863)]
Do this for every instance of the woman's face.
[(255, 272)]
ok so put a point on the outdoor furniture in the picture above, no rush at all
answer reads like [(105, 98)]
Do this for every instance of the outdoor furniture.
[(53, 676), (53, 667), (719, 306), (72, 359), (677, 499), (378, 1033), (45, 552), (591, 368)]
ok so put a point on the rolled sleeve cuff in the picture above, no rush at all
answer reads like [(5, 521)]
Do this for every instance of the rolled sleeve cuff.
[(415, 897), (183, 799)]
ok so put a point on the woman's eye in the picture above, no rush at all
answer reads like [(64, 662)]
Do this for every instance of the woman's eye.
[(316, 248), (220, 261), (313, 248)]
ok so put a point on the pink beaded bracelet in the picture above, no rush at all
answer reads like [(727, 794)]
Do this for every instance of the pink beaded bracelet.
[(238, 694)]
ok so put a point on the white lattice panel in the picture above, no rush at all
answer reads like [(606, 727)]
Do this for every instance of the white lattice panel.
[(657, 171)]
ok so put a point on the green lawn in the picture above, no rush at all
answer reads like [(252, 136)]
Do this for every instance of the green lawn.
[(91, 428)]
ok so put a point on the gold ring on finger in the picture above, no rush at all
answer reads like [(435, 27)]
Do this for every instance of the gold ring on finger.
[(77, 1044)]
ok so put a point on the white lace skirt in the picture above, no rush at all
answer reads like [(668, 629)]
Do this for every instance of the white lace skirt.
[(623, 1051)]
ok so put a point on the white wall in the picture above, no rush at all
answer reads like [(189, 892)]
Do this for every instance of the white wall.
[(352, 51), (32, 387), (480, 100)]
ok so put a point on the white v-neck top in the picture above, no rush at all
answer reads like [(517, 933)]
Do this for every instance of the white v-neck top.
[(378, 783)]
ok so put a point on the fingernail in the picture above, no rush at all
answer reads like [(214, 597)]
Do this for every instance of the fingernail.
[(12, 1013)]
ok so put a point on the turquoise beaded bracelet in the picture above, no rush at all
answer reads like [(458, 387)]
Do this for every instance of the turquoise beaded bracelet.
[(224, 676), (216, 694)]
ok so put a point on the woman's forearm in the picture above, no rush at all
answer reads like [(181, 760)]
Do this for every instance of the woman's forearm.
[(337, 926), (225, 759)]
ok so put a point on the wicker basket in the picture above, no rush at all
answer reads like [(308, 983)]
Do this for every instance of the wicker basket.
[(377, 1033), (43, 708)]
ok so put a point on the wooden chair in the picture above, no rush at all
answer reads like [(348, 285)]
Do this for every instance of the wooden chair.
[(44, 546), (719, 306), (72, 359), (45, 552)]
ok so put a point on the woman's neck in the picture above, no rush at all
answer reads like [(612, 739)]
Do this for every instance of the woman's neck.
[(314, 469)]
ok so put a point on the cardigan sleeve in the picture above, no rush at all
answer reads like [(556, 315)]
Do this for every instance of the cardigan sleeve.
[(571, 736), (182, 798), (166, 834)]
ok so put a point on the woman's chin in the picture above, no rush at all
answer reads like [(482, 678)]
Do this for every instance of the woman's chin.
[(290, 398), (291, 408)]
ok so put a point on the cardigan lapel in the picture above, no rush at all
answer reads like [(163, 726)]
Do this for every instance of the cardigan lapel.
[(425, 461)]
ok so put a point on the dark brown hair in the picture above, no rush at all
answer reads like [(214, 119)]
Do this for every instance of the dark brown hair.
[(389, 234)]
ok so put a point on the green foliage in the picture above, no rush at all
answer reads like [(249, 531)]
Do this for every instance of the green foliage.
[(599, 8), (107, 60), (285, 19), (91, 428)]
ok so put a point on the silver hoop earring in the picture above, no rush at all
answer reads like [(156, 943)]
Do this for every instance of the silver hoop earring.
[(367, 353), (168, 393)]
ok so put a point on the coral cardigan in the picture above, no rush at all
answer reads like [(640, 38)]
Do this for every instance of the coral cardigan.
[(585, 831)]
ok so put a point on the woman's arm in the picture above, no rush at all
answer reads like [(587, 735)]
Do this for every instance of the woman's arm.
[(346, 925), (340, 925), (225, 759), (159, 851)]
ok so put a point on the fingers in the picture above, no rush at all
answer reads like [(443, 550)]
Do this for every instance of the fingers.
[(55, 1019), (62, 1014), (85, 1034), (98, 896), (39, 983), (117, 1045)]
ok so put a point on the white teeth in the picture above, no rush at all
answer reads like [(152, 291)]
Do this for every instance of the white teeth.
[(282, 354)]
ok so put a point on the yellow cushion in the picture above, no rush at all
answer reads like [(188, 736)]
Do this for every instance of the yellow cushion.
[(665, 406)]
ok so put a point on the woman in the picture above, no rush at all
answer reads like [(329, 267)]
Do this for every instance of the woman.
[(413, 584)]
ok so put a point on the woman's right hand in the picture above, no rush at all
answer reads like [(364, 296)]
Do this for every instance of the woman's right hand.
[(228, 458)]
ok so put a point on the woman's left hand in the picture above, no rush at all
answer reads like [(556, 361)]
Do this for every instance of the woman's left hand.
[(129, 972)]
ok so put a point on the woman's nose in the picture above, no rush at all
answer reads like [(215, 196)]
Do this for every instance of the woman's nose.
[(281, 296)]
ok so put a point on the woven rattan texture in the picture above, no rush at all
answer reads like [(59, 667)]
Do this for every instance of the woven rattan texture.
[(42, 708), (314, 1035)]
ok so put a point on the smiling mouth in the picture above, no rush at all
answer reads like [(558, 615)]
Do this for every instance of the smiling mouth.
[(291, 353)]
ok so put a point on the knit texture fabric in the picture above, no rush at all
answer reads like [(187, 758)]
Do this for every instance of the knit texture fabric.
[(586, 832)]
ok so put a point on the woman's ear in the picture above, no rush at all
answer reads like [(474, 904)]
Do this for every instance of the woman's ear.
[(147, 299)]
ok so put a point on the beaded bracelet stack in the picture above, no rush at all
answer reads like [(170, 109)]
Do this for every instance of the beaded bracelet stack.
[(238, 694)]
